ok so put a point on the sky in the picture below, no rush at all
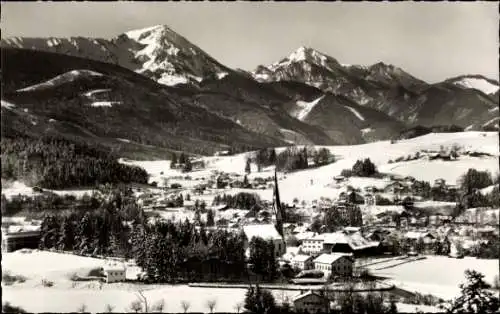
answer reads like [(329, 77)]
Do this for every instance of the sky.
[(432, 41)]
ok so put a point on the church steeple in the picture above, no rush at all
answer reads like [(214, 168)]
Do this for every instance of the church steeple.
[(278, 210)]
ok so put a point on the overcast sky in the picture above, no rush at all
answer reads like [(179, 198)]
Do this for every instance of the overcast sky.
[(433, 41)]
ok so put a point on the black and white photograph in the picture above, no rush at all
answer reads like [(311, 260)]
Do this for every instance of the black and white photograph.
[(242, 157)]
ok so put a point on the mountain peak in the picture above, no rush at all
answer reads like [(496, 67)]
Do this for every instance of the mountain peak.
[(137, 33)]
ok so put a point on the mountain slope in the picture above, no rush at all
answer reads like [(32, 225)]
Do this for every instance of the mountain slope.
[(467, 101), (478, 82), (110, 105), (156, 52)]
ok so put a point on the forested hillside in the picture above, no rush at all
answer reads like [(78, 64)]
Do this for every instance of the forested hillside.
[(57, 164)]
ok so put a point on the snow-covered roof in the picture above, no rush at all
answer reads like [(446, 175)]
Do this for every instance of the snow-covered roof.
[(416, 234), (113, 267), (355, 240), (301, 258), (22, 228), (330, 258), (264, 231), (304, 235), (303, 295)]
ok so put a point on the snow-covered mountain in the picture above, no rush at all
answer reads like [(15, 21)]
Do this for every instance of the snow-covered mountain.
[(478, 82), (390, 89), (156, 52)]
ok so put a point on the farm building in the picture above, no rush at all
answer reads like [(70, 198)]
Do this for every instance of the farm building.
[(114, 273), (311, 302), (20, 237), (343, 242), (335, 264), (303, 262)]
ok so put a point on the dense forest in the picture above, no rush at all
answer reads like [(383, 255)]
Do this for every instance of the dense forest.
[(57, 164), (168, 252), (293, 158), (242, 200)]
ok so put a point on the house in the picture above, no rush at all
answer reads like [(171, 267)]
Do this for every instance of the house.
[(339, 179), (198, 163), (313, 245), (439, 183), (394, 188), (415, 236), (17, 237), (302, 261), (267, 232), (222, 153), (114, 273), (311, 302), (370, 200), (337, 264), (343, 242)]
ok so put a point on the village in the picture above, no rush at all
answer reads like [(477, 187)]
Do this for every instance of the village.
[(364, 226)]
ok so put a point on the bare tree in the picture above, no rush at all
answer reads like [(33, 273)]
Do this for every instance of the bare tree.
[(135, 306), (159, 306), (144, 300), (109, 308), (185, 305), (211, 305), (82, 308), (238, 306)]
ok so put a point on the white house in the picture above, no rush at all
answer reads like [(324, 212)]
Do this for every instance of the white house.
[(336, 264), (303, 262), (267, 232), (114, 272), (313, 245)]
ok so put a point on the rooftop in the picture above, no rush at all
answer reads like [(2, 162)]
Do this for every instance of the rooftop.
[(301, 258), (303, 295), (264, 231), (330, 258)]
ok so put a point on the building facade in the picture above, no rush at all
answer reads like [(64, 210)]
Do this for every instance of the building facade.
[(311, 302), (334, 264)]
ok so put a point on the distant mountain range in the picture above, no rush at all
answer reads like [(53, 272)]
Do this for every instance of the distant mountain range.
[(153, 91)]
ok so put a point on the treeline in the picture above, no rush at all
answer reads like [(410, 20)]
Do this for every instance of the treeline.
[(178, 252), (56, 164), (361, 168), (292, 158), (39, 205), (336, 217), (420, 130), (241, 200), (103, 231)]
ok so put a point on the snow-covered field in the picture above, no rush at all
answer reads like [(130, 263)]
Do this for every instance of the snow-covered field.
[(58, 268), (298, 184), (438, 275), (37, 265), (448, 170)]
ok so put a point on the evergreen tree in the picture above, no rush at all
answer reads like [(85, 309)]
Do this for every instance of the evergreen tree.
[(247, 166), (67, 239), (182, 158), (262, 258), (272, 156), (259, 301), (85, 233), (187, 165), (197, 218), (245, 182), (474, 297), (210, 218), (173, 160)]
